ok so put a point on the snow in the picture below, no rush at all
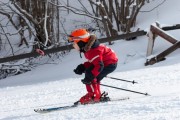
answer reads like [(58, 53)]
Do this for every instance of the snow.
[(56, 85)]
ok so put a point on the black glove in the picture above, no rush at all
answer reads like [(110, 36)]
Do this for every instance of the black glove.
[(80, 69), (89, 77)]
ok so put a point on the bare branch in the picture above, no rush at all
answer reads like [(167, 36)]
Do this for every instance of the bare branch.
[(7, 39), (69, 8), (26, 14), (17, 32), (45, 23)]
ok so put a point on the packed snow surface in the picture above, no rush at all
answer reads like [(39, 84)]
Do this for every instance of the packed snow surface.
[(54, 85)]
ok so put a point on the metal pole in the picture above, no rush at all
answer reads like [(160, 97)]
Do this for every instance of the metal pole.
[(121, 79), (125, 89)]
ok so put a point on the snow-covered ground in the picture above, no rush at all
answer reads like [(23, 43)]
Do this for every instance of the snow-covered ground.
[(57, 85)]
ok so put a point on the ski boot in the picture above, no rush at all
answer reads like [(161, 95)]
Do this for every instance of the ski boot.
[(93, 95), (87, 99)]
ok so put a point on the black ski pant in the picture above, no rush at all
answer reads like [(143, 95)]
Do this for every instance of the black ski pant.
[(106, 70)]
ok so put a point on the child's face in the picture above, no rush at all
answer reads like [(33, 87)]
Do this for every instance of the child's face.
[(75, 45)]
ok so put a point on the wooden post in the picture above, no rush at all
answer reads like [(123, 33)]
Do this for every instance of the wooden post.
[(151, 40), (162, 55), (154, 31)]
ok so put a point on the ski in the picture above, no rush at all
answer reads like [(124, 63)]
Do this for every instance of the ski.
[(47, 110), (76, 104)]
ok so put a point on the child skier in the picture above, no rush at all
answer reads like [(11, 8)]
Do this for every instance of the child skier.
[(101, 61)]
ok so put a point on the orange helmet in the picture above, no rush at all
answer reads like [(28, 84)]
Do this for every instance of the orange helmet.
[(79, 35)]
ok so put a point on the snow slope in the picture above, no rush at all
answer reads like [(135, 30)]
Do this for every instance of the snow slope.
[(57, 85)]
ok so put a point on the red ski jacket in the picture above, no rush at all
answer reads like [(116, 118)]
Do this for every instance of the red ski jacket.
[(100, 56)]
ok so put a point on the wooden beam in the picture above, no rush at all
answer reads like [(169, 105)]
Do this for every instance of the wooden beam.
[(123, 36), (163, 34), (35, 54), (162, 55), (154, 31), (174, 27), (69, 47)]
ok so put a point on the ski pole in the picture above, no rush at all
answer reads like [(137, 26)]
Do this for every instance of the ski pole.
[(125, 89), (133, 82)]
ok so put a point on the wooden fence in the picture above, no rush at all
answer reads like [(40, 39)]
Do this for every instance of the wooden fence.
[(69, 47), (155, 31)]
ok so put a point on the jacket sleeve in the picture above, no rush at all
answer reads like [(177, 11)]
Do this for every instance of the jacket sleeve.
[(97, 62), (95, 68)]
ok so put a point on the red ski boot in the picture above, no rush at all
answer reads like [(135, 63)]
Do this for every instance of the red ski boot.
[(93, 95), (97, 92), (86, 99)]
